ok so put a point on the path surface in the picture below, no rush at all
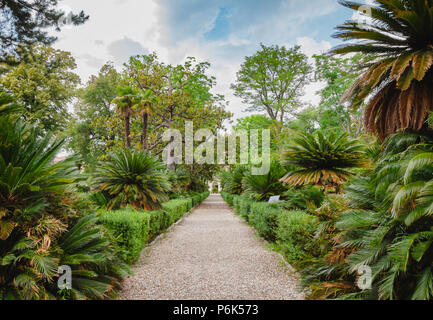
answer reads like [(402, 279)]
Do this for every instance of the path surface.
[(212, 254)]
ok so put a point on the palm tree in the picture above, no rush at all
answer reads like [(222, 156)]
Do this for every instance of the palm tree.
[(134, 178), (323, 161), (399, 36), (124, 103), (144, 103)]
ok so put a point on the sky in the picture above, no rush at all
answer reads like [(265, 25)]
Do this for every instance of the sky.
[(221, 32)]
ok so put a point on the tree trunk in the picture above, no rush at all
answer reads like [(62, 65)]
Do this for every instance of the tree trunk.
[(144, 133), (127, 130)]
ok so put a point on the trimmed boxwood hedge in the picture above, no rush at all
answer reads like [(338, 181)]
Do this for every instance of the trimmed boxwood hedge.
[(133, 229)]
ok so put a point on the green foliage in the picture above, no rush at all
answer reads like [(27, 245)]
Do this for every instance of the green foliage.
[(339, 75), (44, 84), (323, 160), (176, 208), (264, 217), (388, 227), (38, 228), (97, 267), (245, 208), (261, 188), (295, 233), (273, 80), (89, 130), (131, 230), (133, 178), (305, 198)]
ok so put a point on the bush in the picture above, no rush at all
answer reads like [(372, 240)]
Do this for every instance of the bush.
[(245, 207), (264, 217), (131, 229), (176, 209), (158, 223), (295, 230), (236, 203)]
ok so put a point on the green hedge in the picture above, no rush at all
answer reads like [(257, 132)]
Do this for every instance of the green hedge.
[(134, 229), (295, 231), (245, 208), (264, 217), (131, 230)]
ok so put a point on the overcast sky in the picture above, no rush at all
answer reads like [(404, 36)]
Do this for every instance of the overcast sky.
[(221, 32)]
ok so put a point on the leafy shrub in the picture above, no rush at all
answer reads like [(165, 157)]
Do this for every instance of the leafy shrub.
[(264, 217), (244, 207), (131, 229), (236, 203), (157, 223), (176, 209), (295, 232)]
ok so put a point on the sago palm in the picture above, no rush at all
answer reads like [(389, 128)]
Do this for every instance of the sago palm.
[(322, 160), (261, 188), (399, 36), (134, 178), (96, 266), (32, 213), (390, 226)]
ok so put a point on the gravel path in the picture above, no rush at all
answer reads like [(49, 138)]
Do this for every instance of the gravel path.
[(211, 255)]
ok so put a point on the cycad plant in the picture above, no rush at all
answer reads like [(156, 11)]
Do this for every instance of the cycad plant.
[(399, 36), (94, 259), (261, 188), (32, 215), (35, 216), (321, 160), (389, 228), (133, 178), (235, 185)]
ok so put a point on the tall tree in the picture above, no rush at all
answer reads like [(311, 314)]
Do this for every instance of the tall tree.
[(86, 133), (24, 22), (145, 106), (273, 80), (339, 74), (124, 105), (44, 83), (400, 79)]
